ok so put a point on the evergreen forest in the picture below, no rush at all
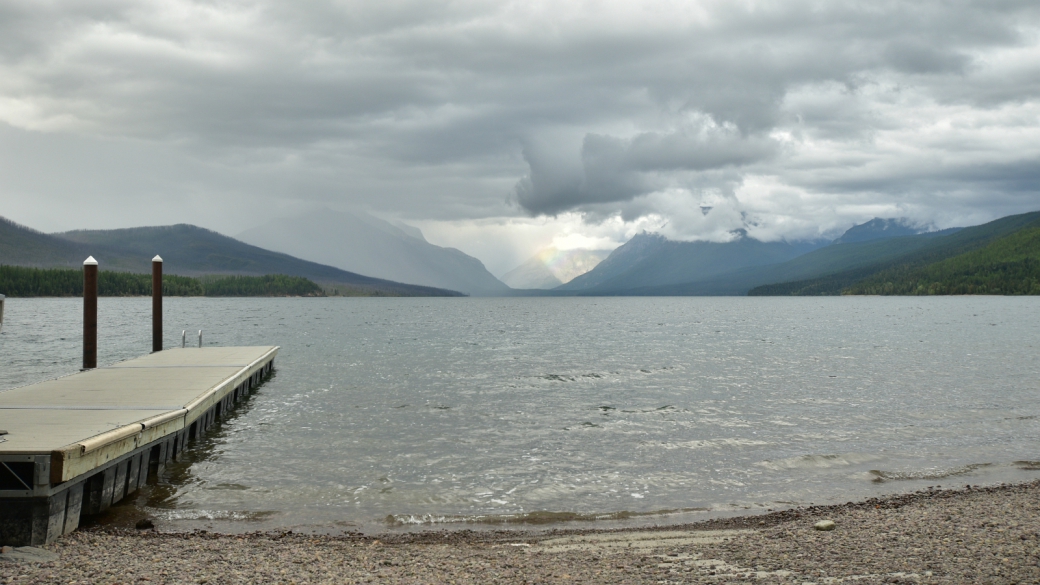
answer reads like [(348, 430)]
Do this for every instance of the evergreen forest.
[(18, 281), (1007, 266)]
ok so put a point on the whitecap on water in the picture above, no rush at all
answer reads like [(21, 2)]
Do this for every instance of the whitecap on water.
[(931, 473), (820, 461)]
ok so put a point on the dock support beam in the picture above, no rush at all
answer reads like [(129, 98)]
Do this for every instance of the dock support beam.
[(156, 304), (90, 292)]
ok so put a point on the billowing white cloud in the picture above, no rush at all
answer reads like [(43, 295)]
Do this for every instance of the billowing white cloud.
[(788, 119)]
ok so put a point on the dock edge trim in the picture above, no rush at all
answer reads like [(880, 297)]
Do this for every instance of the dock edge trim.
[(97, 441)]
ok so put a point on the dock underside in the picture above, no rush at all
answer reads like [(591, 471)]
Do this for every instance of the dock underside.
[(78, 444)]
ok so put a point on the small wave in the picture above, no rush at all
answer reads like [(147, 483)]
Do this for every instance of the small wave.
[(881, 476), (235, 515), (708, 444), (1027, 465), (228, 486), (571, 377), (819, 461), (539, 517), (557, 378)]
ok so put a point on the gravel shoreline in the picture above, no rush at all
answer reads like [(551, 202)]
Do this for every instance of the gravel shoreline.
[(967, 535)]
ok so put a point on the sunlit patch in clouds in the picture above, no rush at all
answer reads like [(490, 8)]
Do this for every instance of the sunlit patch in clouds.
[(503, 126), (582, 241), (566, 231)]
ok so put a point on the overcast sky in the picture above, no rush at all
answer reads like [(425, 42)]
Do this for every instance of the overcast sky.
[(502, 127)]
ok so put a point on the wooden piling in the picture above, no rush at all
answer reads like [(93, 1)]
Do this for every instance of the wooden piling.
[(157, 263), (90, 294)]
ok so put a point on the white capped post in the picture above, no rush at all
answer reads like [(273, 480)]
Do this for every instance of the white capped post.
[(90, 294), (156, 304)]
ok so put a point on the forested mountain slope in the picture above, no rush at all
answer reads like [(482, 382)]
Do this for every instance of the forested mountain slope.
[(649, 260), (1007, 266), (917, 252)]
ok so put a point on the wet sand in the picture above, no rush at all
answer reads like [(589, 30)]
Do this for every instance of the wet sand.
[(966, 535)]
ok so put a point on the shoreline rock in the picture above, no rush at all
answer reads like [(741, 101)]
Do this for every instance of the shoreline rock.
[(987, 534)]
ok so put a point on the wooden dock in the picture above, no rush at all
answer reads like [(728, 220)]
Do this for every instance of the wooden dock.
[(76, 445)]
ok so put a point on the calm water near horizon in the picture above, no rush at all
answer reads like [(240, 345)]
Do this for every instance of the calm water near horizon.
[(401, 413)]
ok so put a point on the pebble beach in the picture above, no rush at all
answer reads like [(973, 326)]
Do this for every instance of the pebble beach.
[(967, 535)]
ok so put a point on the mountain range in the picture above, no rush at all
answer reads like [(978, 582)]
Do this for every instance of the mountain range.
[(896, 258), (651, 260), (880, 229), (654, 266), (865, 259), (881, 256), (1007, 265), (361, 243), (186, 250)]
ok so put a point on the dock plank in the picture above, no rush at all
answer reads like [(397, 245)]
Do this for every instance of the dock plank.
[(43, 431), (77, 444), (53, 415)]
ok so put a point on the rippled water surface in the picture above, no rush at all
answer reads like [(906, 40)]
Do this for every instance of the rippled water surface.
[(399, 412)]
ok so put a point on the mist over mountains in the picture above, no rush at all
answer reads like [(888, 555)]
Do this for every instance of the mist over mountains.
[(359, 242), (649, 260), (879, 229), (881, 256), (550, 268), (187, 250)]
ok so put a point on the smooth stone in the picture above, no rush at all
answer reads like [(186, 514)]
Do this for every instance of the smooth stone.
[(27, 554), (824, 525)]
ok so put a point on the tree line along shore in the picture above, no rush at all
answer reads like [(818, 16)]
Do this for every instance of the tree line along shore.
[(18, 281)]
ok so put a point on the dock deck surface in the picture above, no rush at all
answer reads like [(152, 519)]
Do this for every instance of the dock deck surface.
[(78, 444), (63, 414)]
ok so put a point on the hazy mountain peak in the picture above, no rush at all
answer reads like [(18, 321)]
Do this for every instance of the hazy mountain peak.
[(409, 230), (551, 267), (880, 228), (644, 238), (360, 242), (650, 259)]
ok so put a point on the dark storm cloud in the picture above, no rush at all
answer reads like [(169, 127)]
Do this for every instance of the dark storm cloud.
[(759, 59), (480, 109), (614, 169)]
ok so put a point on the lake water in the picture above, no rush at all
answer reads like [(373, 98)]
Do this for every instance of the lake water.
[(388, 414)]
